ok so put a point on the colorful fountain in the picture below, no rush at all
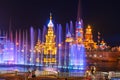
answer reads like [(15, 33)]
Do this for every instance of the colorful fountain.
[(47, 49)]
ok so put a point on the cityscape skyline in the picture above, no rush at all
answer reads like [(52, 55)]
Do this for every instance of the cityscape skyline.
[(101, 15)]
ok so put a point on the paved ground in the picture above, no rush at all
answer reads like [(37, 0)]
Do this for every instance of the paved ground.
[(24, 76)]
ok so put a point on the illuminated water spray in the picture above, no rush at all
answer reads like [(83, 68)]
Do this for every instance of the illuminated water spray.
[(16, 47), (59, 44), (19, 49), (71, 28), (32, 45), (77, 57), (44, 31), (77, 61), (68, 35), (26, 48)]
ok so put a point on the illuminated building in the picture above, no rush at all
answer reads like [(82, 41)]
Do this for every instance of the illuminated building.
[(88, 42), (103, 42), (50, 48), (69, 37), (79, 32), (103, 45), (39, 50)]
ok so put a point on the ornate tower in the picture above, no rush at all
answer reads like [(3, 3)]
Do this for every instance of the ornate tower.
[(79, 33), (88, 34), (69, 37), (50, 48), (89, 43)]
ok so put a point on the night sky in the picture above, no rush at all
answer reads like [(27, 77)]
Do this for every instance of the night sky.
[(102, 15)]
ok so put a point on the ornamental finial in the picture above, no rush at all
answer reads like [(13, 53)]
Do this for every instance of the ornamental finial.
[(50, 16), (50, 24)]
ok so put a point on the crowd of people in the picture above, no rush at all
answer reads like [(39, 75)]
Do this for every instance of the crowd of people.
[(90, 73), (33, 73)]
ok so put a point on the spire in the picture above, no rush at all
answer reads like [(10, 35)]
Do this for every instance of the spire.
[(50, 16), (68, 34), (50, 24), (79, 11)]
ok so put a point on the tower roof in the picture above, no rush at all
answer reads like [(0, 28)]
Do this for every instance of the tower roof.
[(68, 34), (50, 24), (79, 25)]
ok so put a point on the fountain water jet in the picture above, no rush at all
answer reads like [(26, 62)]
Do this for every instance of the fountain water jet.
[(32, 45)]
